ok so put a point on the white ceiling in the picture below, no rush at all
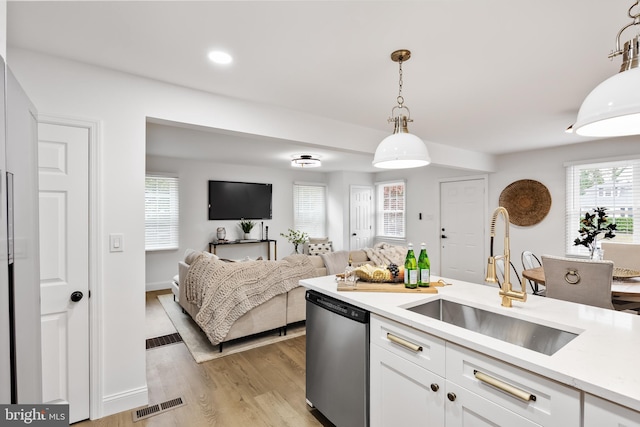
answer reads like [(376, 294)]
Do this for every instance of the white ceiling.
[(495, 76)]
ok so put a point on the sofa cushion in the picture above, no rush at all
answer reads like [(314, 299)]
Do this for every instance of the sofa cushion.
[(320, 248)]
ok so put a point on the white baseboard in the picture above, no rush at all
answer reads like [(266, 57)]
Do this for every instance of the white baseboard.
[(125, 401), (157, 286)]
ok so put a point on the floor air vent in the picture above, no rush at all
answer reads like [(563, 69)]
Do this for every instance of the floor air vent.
[(150, 411), (163, 340)]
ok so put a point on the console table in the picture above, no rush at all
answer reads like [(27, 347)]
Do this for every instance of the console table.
[(214, 245)]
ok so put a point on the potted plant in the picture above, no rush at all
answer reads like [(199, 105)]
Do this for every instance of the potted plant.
[(591, 226), (246, 225), (296, 237)]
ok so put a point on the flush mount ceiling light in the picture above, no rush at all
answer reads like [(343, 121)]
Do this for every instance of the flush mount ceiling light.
[(305, 161), (401, 150), (220, 57), (613, 107)]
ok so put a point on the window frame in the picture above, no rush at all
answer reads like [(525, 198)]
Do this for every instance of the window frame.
[(301, 221), (618, 203), (382, 231), (165, 233)]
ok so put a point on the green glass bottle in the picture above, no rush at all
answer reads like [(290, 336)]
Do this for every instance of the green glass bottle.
[(410, 269), (424, 267)]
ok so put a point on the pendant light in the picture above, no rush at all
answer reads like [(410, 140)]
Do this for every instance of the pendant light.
[(401, 150), (613, 107)]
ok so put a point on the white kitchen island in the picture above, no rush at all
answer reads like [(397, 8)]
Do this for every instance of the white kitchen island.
[(602, 362)]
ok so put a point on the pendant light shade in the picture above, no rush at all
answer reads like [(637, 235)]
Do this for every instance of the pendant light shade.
[(613, 107), (401, 150)]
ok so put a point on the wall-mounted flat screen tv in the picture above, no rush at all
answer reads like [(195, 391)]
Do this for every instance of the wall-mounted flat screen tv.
[(237, 200)]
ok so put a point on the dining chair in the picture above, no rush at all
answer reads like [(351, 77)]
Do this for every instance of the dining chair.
[(624, 255), (627, 256), (577, 280), (529, 261)]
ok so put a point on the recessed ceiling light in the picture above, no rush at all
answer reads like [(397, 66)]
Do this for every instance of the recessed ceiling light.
[(220, 57)]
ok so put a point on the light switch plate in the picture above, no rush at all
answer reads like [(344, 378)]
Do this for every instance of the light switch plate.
[(116, 242)]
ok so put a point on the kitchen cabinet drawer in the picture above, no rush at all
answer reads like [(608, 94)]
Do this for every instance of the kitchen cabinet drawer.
[(603, 413), (411, 344), (403, 393), (551, 404)]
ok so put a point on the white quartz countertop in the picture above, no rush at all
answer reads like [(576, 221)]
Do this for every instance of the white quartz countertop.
[(603, 360)]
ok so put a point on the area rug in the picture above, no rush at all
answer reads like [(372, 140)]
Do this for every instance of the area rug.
[(200, 347)]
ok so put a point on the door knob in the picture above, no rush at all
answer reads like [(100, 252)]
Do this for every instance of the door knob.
[(76, 296), (435, 387), (354, 234), (443, 236), (451, 396)]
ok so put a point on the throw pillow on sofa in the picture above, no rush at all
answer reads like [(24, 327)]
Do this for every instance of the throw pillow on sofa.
[(320, 248)]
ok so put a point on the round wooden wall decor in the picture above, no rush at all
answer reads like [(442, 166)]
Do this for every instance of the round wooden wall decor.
[(527, 202)]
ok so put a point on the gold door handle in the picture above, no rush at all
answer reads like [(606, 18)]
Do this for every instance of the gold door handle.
[(403, 342), (507, 388)]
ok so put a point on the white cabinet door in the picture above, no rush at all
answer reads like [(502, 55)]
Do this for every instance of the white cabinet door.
[(602, 413), (467, 409), (402, 393)]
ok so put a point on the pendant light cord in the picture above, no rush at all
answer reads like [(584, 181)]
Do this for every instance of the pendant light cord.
[(400, 98)]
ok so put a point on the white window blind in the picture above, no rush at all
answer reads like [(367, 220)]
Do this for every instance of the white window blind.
[(161, 212), (614, 185), (310, 209), (391, 209)]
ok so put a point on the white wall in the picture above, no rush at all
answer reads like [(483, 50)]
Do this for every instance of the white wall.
[(196, 231), (547, 166), (423, 196), (3, 28)]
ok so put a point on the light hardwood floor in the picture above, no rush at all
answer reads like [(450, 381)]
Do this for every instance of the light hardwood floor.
[(259, 387)]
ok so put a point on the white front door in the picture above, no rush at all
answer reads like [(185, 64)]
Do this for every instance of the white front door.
[(64, 265), (361, 217), (462, 242)]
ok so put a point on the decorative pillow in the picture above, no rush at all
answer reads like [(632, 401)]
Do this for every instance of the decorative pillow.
[(190, 255), (320, 248)]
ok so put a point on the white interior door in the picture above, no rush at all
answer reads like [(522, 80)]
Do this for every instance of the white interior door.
[(361, 217), (64, 265), (463, 218)]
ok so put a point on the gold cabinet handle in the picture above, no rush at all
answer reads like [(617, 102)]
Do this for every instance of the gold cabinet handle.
[(501, 385), (403, 342)]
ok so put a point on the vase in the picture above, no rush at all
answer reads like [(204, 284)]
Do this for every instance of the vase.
[(247, 236), (597, 254), (221, 233)]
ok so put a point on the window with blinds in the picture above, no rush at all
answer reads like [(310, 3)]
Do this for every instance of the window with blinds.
[(614, 185), (390, 210), (310, 209), (161, 212)]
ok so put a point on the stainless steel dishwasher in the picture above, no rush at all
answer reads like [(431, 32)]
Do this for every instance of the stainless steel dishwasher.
[(337, 360)]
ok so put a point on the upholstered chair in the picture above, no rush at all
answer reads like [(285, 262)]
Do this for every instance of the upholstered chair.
[(577, 280)]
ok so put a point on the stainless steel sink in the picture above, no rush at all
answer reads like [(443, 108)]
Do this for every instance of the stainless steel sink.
[(540, 338)]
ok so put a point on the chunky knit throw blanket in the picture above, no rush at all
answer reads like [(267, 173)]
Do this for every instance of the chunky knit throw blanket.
[(384, 254), (225, 291)]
